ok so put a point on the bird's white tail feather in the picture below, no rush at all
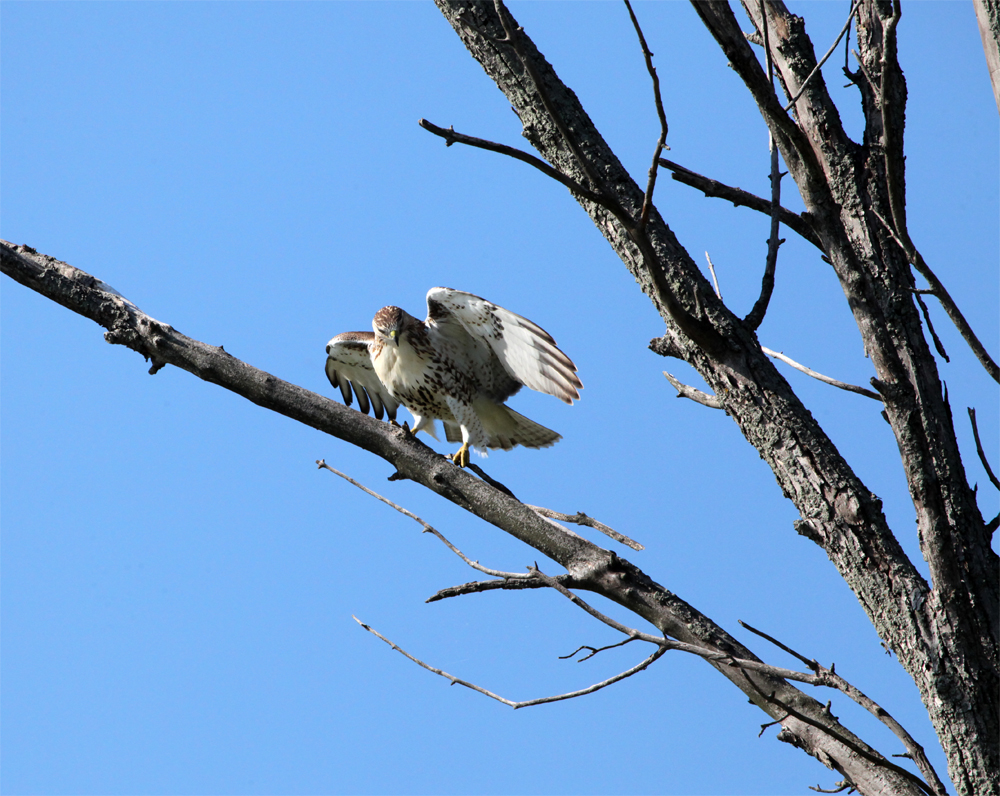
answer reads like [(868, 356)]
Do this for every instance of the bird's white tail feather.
[(506, 428)]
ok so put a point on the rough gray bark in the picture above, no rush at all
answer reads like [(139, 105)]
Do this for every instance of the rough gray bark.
[(944, 633)]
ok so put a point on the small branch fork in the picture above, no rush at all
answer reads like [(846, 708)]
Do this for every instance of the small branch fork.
[(582, 519), (938, 290), (657, 653), (693, 393)]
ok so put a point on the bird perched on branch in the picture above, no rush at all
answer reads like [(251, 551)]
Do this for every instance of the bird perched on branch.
[(458, 366)]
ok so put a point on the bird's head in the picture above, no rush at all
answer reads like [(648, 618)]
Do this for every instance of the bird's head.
[(389, 323)]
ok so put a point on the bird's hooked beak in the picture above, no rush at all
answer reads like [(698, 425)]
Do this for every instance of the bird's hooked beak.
[(394, 336)]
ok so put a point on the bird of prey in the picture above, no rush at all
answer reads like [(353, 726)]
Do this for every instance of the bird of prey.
[(458, 366)]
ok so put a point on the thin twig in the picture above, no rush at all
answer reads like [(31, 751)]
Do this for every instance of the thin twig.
[(826, 379), (426, 526), (451, 137), (979, 449), (528, 703), (715, 279), (740, 198), (661, 142), (844, 30), (595, 650), (844, 784), (693, 393), (582, 519), (930, 326), (756, 315)]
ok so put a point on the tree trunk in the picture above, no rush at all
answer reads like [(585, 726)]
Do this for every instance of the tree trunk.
[(945, 635)]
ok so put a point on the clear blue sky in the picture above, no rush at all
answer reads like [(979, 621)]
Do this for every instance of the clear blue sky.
[(178, 578)]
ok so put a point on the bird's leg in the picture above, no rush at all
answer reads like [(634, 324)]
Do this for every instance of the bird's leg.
[(461, 456)]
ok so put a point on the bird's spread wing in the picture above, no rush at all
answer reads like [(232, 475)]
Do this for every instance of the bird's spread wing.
[(349, 365), (513, 349)]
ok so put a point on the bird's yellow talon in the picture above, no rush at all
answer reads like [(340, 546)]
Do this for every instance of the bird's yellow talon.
[(461, 456)]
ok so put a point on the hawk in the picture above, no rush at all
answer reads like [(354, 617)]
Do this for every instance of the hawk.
[(458, 366)]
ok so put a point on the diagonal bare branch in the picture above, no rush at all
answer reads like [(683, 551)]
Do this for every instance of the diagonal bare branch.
[(826, 379), (693, 393), (589, 522), (740, 198), (979, 449), (426, 526)]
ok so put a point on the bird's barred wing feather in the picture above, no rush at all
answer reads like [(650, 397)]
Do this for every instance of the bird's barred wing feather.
[(348, 365), (494, 337)]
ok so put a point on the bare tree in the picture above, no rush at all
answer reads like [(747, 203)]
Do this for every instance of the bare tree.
[(944, 632)]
